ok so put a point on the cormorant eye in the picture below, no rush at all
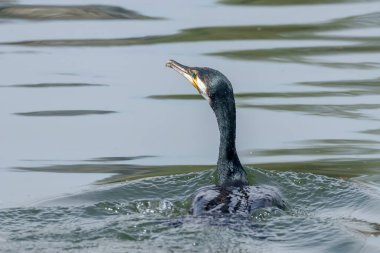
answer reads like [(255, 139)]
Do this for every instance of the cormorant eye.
[(194, 75)]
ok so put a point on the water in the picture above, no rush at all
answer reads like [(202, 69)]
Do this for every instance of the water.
[(102, 147)]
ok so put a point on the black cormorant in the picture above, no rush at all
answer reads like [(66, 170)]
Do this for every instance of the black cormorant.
[(233, 194)]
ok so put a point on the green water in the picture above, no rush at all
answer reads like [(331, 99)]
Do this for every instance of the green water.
[(102, 147)]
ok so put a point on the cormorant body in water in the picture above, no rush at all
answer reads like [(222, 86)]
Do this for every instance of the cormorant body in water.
[(233, 194)]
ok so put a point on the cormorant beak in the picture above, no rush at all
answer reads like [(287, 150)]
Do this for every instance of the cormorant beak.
[(192, 75), (186, 71)]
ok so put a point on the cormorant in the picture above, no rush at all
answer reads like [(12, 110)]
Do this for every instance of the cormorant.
[(233, 194)]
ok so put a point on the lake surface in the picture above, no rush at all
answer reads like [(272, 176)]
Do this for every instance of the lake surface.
[(102, 147)]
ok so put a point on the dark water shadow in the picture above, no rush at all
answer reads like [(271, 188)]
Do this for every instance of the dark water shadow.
[(22, 52), (332, 110), (119, 158), (339, 142), (68, 12), (125, 172), (64, 113), (289, 2), (303, 54), (339, 166), (53, 85), (372, 131), (334, 167), (345, 167), (342, 110), (257, 95), (254, 32), (177, 97), (372, 85), (333, 147), (318, 150)]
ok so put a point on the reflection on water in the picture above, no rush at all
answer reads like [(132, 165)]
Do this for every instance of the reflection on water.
[(300, 55), (287, 2), (63, 113), (54, 85), (372, 131), (258, 95), (307, 94), (372, 84), (332, 110), (324, 147), (115, 159), (123, 171), (51, 12), (261, 32)]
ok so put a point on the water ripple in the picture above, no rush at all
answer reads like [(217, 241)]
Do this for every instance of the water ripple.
[(155, 209)]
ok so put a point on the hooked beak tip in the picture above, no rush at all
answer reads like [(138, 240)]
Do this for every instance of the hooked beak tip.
[(169, 63), (182, 69)]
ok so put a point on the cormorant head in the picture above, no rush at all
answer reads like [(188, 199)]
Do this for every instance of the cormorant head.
[(210, 83), (217, 90)]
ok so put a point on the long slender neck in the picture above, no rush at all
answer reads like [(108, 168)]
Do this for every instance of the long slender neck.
[(230, 170)]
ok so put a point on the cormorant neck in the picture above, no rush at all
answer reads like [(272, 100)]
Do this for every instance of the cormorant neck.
[(230, 170)]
